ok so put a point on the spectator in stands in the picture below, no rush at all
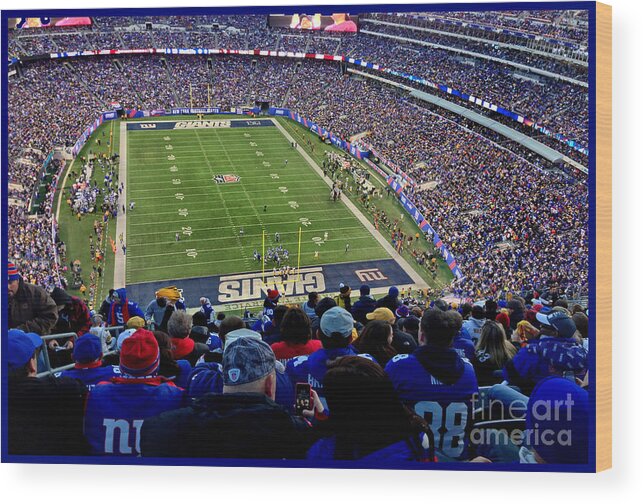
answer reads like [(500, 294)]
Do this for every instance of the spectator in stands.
[(322, 307), (73, 315), (562, 436), (88, 367), (116, 410), (437, 383), (271, 329), (343, 299), (242, 422), (309, 306), (155, 311), (44, 415), (207, 375), (135, 323), (103, 311), (473, 325), (295, 336), (461, 344), (516, 310), (207, 309), (179, 327), (556, 352), (465, 311), (390, 301), (228, 324), (30, 307), (270, 303), (335, 332), (121, 308), (174, 370), (402, 342), (411, 325), (364, 305), (503, 319), (375, 339), (367, 421), (491, 309), (98, 329), (493, 351), (582, 326)]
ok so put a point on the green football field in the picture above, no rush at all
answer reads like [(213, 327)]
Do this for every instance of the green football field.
[(170, 177)]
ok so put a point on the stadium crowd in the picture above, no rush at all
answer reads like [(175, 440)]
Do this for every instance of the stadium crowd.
[(478, 194), (533, 97), (383, 381), (392, 380)]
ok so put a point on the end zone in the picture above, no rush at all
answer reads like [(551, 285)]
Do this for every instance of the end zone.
[(247, 288)]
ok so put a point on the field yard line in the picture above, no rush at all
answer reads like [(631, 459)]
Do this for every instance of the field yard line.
[(419, 281), (312, 212), (227, 210), (249, 236), (120, 276), (217, 261)]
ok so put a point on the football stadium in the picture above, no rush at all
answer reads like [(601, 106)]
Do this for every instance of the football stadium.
[(307, 236)]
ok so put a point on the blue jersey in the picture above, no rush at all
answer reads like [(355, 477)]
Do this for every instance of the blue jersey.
[(90, 376), (312, 368), (116, 410), (214, 342), (209, 312), (409, 450), (445, 401), (464, 347)]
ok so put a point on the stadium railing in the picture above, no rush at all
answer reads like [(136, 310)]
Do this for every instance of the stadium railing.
[(115, 330)]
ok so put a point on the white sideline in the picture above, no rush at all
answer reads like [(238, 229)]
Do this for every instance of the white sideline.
[(419, 281), (121, 219)]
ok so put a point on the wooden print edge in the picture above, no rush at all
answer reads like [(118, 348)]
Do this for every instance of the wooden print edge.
[(603, 310)]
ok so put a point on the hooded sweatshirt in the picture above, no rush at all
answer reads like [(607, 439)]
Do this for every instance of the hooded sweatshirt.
[(438, 385), (119, 313)]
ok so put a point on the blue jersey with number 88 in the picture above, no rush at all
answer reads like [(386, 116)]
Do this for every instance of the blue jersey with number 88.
[(447, 408)]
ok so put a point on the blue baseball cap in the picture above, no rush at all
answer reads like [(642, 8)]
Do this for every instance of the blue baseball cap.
[(558, 421), (560, 321), (21, 348), (88, 348), (337, 320)]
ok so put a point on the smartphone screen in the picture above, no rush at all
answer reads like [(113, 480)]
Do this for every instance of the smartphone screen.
[(302, 398)]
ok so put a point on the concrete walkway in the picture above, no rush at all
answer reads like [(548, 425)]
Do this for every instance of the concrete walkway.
[(419, 281), (121, 221)]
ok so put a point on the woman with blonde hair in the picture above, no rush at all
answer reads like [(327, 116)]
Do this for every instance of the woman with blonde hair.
[(492, 353)]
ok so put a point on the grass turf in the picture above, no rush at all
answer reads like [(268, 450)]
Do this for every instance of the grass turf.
[(179, 196)]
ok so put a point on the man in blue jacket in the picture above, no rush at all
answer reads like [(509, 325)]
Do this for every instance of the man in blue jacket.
[(556, 352), (241, 422), (335, 330), (122, 309), (437, 383), (364, 305), (88, 357)]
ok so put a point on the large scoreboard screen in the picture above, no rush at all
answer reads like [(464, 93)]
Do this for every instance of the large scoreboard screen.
[(341, 23)]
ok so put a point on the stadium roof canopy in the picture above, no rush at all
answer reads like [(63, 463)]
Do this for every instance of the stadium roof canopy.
[(539, 148)]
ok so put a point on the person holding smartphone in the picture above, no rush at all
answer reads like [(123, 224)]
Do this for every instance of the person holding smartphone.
[(241, 422)]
